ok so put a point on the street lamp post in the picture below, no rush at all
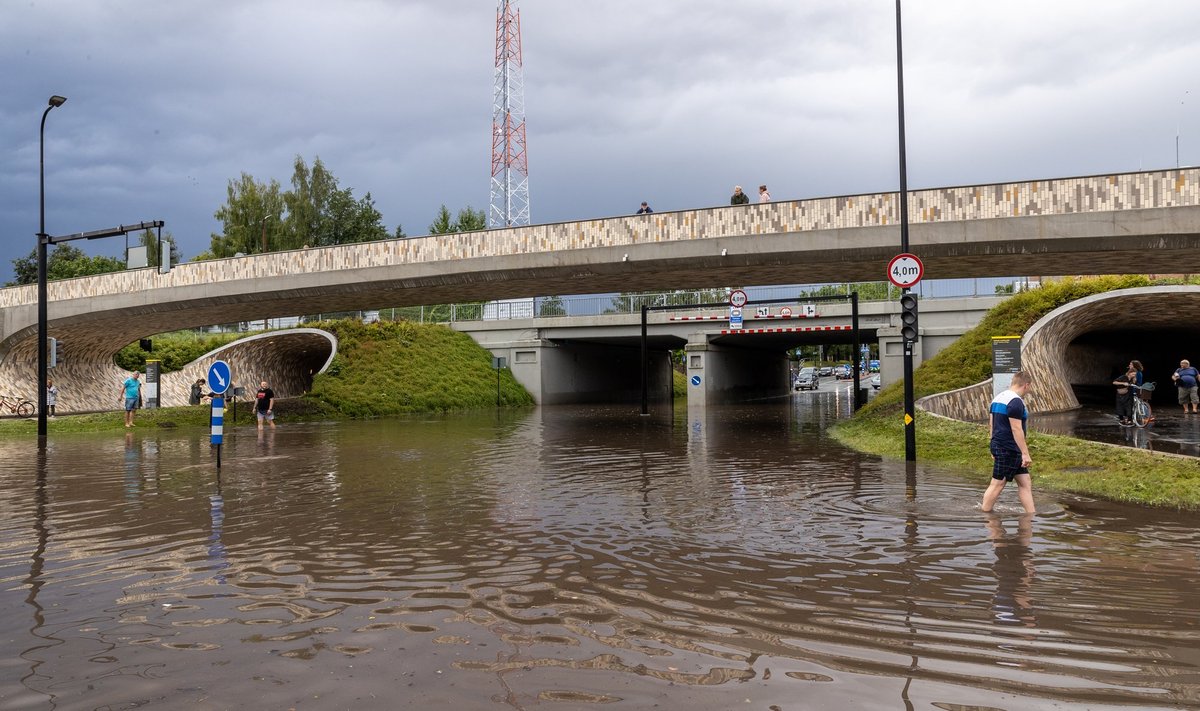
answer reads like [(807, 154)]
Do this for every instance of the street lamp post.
[(43, 239)]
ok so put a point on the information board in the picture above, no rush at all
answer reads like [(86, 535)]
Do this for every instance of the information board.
[(1006, 360)]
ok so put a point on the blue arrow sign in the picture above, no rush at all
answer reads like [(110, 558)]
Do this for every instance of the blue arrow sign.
[(695, 380), (219, 377)]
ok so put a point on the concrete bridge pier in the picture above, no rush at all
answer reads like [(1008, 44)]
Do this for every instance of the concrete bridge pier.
[(729, 374), (573, 373)]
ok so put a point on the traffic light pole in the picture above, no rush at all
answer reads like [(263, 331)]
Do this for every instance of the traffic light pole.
[(910, 424)]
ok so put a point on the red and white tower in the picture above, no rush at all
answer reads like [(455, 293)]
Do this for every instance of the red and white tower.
[(510, 164)]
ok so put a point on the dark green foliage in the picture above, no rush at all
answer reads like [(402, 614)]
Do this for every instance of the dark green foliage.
[(175, 350), (468, 220), (391, 368), (63, 262), (261, 217)]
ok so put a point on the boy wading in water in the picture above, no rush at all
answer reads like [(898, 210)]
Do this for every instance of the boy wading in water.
[(1010, 451)]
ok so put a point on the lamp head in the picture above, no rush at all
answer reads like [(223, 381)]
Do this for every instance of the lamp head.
[(57, 100)]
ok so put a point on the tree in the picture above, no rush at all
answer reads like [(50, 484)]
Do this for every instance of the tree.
[(550, 306), (149, 240), (252, 218), (468, 220), (65, 262), (322, 214)]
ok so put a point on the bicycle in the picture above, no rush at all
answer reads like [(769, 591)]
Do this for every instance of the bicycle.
[(18, 406), (1142, 413)]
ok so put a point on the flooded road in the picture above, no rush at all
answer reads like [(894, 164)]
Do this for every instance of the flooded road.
[(573, 558)]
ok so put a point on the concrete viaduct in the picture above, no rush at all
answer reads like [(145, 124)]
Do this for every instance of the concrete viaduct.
[(598, 358), (1109, 224)]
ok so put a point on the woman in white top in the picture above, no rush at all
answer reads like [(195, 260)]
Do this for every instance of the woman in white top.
[(763, 195)]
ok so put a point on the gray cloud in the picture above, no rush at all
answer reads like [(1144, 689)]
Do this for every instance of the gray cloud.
[(672, 101)]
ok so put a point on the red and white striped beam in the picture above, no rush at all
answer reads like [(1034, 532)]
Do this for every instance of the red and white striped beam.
[(798, 329), (725, 317)]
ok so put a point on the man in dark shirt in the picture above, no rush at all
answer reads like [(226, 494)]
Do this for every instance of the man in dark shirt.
[(265, 405), (1010, 452), (739, 197), (645, 209)]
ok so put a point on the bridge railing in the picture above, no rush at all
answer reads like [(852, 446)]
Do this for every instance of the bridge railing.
[(593, 305)]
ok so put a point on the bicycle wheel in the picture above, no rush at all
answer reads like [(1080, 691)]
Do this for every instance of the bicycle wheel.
[(25, 409), (1139, 412)]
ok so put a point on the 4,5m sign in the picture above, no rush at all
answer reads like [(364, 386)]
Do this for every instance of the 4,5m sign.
[(905, 270)]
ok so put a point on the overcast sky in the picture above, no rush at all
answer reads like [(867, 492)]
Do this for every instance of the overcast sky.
[(670, 101)]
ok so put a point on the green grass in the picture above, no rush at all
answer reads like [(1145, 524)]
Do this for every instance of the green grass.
[(384, 369), (1060, 463)]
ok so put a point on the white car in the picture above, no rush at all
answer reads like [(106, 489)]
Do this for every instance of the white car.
[(875, 381)]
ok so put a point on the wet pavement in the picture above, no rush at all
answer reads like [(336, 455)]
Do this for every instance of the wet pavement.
[(573, 558), (1171, 431)]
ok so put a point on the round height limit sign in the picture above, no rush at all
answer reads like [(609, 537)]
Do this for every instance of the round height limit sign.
[(905, 270)]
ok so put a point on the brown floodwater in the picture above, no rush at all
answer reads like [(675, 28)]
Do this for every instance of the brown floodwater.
[(573, 558)]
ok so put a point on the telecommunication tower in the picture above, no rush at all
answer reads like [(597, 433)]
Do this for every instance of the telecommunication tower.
[(510, 164)]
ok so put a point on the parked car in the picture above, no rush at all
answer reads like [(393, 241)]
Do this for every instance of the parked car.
[(808, 379), (825, 371), (875, 381)]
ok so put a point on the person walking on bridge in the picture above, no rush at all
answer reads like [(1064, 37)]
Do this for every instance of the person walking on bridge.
[(763, 194), (739, 197), (645, 209), (1010, 450)]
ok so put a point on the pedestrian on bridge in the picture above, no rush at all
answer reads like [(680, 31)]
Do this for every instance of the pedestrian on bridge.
[(739, 197), (645, 209), (1010, 450), (763, 194)]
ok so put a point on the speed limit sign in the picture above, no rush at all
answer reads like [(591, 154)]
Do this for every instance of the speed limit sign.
[(905, 270), (737, 298)]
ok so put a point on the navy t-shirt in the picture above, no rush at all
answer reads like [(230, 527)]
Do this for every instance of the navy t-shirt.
[(1187, 377), (1007, 404)]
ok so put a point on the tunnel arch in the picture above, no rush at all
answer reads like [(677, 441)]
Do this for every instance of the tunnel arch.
[(1072, 351), (89, 379)]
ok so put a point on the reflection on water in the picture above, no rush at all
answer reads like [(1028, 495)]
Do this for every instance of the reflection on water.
[(1170, 431), (572, 558)]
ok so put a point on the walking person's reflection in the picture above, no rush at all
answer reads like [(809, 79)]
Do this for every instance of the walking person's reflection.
[(1012, 604)]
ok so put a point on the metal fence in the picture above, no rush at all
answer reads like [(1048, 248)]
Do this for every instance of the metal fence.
[(597, 304)]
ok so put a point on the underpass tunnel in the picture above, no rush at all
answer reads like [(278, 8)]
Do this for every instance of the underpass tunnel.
[(1095, 358)]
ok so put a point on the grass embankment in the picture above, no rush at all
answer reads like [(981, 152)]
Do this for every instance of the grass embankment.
[(1060, 463), (381, 370)]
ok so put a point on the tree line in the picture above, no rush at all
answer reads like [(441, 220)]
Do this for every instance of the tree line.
[(260, 217)]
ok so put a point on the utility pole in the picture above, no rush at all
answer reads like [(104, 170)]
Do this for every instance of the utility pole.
[(510, 164)]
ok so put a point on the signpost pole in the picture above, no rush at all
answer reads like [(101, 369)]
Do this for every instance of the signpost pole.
[(220, 376), (910, 431), (854, 356)]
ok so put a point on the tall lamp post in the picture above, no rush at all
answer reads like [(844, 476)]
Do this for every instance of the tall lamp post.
[(43, 239)]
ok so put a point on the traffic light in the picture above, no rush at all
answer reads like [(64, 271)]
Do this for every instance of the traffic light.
[(908, 317), (146, 344)]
